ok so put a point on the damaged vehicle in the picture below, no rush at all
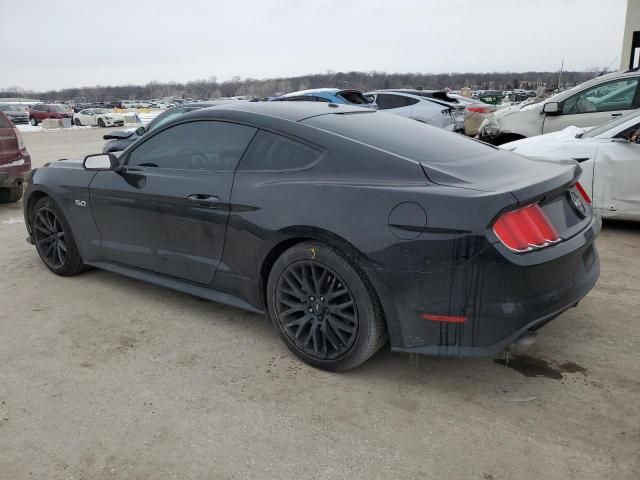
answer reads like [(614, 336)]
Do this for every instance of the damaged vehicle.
[(589, 104), (609, 156), (347, 226), (416, 108)]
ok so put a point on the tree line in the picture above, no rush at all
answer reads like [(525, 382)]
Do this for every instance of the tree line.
[(250, 87)]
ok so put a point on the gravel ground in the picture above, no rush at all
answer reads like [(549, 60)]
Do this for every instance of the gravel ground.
[(106, 377)]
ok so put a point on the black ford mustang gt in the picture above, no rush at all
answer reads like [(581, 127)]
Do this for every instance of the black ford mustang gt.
[(348, 226)]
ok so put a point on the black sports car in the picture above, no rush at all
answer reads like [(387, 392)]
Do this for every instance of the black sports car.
[(348, 226)]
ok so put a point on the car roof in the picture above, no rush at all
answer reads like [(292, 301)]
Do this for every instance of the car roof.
[(310, 91), (291, 111)]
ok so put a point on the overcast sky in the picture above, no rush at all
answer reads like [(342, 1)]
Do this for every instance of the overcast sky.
[(52, 44)]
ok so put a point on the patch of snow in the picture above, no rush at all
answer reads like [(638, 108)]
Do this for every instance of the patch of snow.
[(32, 129), (13, 164)]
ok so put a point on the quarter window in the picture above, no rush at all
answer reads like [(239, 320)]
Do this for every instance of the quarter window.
[(201, 145), (275, 152), (616, 95), (387, 101)]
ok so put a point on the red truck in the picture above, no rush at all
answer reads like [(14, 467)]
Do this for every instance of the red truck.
[(42, 111), (15, 161)]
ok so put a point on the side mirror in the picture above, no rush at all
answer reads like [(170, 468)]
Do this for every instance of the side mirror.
[(100, 161), (140, 131), (551, 107)]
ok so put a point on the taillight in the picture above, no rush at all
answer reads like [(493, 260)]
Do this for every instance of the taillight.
[(525, 229), (481, 108), (583, 192), (19, 138)]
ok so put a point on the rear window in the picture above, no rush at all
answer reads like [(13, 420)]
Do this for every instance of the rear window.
[(354, 97), (4, 121), (269, 151), (401, 136)]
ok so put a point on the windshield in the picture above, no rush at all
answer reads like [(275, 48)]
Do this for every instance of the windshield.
[(99, 111), (605, 127), (9, 108), (58, 108)]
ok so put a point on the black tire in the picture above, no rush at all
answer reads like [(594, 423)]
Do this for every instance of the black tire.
[(77, 122), (314, 327), (11, 194), (50, 214), (33, 121), (101, 123)]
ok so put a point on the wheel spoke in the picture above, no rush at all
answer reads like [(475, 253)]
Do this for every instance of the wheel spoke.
[(304, 294), (42, 228), (50, 239), (62, 245)]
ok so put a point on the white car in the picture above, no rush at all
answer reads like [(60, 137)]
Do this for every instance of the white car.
[(609, 156), (589, 104), (98, 117), (415, 107)]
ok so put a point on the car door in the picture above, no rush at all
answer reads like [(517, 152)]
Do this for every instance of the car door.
[(616, 178), (595, 105), (167, 211)]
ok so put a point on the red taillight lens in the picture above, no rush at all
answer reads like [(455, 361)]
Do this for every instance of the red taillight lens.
[(525, 229), (481, 108), (583, 192)]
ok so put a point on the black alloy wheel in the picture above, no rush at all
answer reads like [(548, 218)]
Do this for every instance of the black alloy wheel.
[(50, 238), (316, 309)]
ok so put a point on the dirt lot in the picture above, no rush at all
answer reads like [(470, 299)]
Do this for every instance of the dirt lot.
[(106, 377)]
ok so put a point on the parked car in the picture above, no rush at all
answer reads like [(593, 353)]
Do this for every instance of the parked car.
[(129, 104), (414, 107), (475, 112), (490, 97), (440, 97), (14, 113), (15, 161), (348, 226), (98, 117), (42, 111), (591, 103), (119, 140), (609, 156), (327, 95)]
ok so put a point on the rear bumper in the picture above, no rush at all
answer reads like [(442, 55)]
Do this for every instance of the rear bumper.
[(14, 175), (494, 299)]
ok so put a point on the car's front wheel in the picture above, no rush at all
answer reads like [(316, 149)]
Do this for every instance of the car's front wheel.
[(324, 308), (77, 122), (53, 239), (33, 122), (101, 123)]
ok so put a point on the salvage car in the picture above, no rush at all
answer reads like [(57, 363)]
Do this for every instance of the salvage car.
[(589, 104), (98, 117), (121, 139), (14, 113), (15, 161), (327, 95), (609, 156), (43, 111), (415, 107), (348, 226)]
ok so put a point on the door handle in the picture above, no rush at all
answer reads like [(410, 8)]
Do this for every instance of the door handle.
[(616, 114), (204, 200)]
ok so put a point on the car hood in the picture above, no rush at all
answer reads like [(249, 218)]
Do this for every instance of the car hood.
[(500, 171), (557, 145), (119, 134), (65, 163)]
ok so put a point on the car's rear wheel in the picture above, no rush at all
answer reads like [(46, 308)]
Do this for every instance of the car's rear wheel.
[(33, 121), (53, 239), (11, 194), (324, 308), (101, 123), (77, 122)]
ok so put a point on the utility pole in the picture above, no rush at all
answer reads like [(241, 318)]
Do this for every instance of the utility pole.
[(560, 74)]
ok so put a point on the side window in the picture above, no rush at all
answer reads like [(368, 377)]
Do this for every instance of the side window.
[(386, 101), (201, 145), (275, 152), (615, 95), (164, 118)]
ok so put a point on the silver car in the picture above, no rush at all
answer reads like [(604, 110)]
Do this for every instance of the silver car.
[(415, 107)]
